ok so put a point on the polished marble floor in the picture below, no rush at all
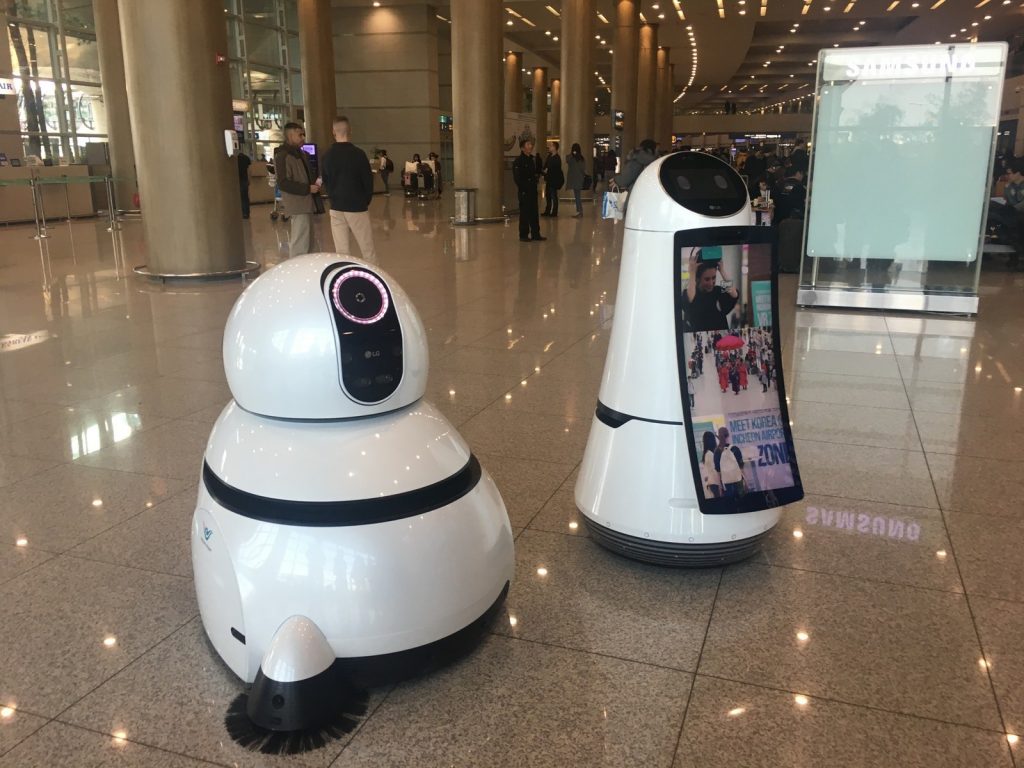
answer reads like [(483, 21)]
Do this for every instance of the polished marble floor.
[(882, 624)]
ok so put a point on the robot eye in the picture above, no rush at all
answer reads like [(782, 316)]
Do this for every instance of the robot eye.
[(683, 182), (720, 181), (360, 297)]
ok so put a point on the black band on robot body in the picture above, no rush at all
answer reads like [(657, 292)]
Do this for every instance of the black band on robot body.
[(344, 513), (616, 419)]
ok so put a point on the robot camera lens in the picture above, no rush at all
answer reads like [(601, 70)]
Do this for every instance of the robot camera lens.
[(360, 296), (683, 182)]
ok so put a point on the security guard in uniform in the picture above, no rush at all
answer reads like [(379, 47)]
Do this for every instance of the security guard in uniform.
[(524, 171)]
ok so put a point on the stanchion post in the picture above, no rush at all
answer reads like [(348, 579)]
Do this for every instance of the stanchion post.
[(71, 233), (120, 270)]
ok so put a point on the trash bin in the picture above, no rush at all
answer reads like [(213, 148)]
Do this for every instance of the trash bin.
[(465, 205)]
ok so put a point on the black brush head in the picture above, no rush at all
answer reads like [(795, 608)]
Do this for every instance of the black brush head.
[(345, 712)]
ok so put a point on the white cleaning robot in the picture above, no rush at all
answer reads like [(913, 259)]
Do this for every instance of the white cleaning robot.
[(690, 453), (344, 534)]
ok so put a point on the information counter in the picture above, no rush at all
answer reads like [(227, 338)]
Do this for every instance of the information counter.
[(57, 198)]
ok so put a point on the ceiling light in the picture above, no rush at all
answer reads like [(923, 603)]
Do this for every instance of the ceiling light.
[(602, 18), (937, 4), (552, 10)]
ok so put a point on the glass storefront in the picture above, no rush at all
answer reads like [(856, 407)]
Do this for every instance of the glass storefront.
[(54, 62), (55, 69), (263, 44)]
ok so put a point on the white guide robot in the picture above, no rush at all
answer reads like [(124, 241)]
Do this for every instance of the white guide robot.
[(343, 525), (636, 488)]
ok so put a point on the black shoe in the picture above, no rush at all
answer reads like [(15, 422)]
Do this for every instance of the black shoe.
[(539, 237), (524, 239)]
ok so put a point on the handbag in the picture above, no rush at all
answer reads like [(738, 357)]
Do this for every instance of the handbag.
[(613, 205)]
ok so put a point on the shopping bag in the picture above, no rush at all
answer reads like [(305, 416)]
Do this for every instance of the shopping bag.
[(613, 205)]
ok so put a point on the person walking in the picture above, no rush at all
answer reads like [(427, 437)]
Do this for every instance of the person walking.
[(348, 181), (243, 181), (300, 192), (524, 172), (576, 169), (554, 180), (635, 163), (386, 169)]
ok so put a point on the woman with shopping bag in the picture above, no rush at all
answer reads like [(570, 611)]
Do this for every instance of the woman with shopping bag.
[(614, 203)]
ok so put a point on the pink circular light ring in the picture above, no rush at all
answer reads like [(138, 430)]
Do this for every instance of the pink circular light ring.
[(375, 281)]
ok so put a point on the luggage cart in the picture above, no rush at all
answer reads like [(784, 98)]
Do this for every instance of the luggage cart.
[(278, 209)]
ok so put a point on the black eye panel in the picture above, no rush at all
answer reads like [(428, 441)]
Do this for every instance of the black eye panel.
[(370, 346), (703, 184)]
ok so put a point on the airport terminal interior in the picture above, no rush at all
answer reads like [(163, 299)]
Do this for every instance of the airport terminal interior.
[(874, 617)]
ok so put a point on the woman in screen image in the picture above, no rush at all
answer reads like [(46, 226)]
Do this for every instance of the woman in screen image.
[(713, 481), (706, 305), (729, 465)]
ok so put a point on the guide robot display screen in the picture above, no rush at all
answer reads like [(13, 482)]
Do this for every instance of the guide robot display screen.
[(730, 371)]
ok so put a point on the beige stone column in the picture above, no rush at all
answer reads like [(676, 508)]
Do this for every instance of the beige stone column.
[(115, 101), (670, 106), (316, 56), (647, 72), (513, 81), (191, 207), (661, 97), (578, 78), (624, 71), (540, 106), (556, 107), (477, 105)]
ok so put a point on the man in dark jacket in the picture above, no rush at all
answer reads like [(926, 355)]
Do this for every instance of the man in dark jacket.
[(243, 181), (798, 160), (349, 183), (554, 179), (524, 172), (299, 190), (790, 197)]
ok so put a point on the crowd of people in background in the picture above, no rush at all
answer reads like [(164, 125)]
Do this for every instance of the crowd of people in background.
[(345, 177), (735, 368)]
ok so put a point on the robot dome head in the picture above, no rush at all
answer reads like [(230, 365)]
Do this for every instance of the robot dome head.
[(687, 190), (324, 336)]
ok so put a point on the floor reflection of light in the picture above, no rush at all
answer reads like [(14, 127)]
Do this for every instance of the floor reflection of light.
[(737, 711), (21, 543), (801, 700), (7, 712)]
